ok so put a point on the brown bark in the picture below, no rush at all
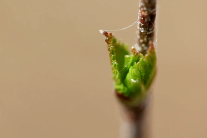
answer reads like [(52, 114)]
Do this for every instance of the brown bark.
[(146, 17)]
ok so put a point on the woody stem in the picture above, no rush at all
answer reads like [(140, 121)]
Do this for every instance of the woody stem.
[(146, 16)]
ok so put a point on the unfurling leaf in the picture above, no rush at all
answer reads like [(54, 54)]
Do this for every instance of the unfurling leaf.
[(132, 73)]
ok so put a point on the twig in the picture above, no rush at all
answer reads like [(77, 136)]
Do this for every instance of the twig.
[(135, 120), (136, 117), (133, 74), (146, 16)]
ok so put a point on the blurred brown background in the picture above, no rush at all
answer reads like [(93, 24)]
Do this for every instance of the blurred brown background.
[(55, 77)]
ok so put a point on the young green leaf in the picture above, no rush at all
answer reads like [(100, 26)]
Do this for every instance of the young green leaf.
[(132, 73)]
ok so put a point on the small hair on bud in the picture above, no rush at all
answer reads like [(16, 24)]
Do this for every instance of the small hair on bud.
[(101, 31)]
